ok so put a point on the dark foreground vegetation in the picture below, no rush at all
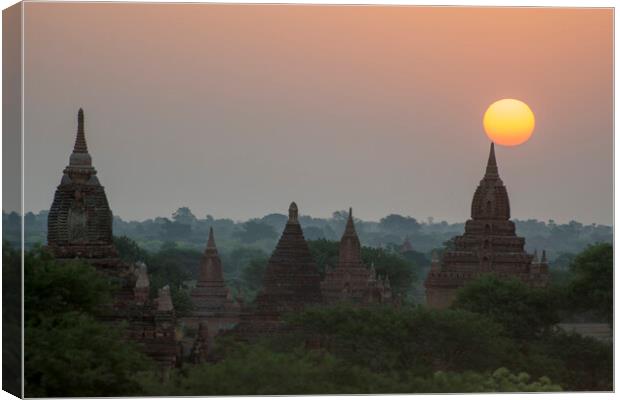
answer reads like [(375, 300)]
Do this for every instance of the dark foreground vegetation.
[(499, 336)]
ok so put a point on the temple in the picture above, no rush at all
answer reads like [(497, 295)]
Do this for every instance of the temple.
[(489, 245), (352, 281), (80, 227), (80, 219), (212, 302), (291, 283), (406, 246)]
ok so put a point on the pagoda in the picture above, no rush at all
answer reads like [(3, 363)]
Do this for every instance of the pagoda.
[(489, 245), (212, 302), (290, 284), (80, 220), (352, 281), (80, 227), (406, 246)]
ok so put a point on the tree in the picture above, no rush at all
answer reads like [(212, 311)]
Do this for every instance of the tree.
[(591, 288), (173, 231), (257, 370), (72, 354), (129, 250), (501, 380), (252, 274), (398, 223), (253, 231), (576, 362), (385, 339), (523, 311), (68, 352), (11, 320), (184, 215)]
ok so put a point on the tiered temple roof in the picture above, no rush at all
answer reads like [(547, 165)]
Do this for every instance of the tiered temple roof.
[(291, 282), (212, 301), (291, 278), (80, 226), (351, 280), (489, 245), (80, 219), (211, 294)]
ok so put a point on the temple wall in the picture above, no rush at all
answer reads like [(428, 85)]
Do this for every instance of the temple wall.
[(440, 298)]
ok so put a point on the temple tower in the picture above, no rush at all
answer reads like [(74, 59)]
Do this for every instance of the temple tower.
[(291, 283), (213, 305), (80, 226), (352, 281), (80, 219), (291, 279), (406, 246), (489, 245)]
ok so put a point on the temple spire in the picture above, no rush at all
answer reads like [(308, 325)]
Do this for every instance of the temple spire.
[(211, 240), (350, 228), (492, 163), (80, 140), (293, 213)]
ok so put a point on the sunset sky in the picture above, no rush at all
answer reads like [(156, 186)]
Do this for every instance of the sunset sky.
[(235, 111)]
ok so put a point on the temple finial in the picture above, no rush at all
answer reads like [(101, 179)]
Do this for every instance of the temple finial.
[(211, 240), (492, 163), (543, 258), (350, 228), (80, 140), (293, 213)]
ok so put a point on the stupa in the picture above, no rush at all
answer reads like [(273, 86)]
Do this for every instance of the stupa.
[(351, 281), (290, 284), (212, 302), (80, 227), (489, 245)]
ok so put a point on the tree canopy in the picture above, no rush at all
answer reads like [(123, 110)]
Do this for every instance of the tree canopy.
[(523, 311), (68, 351)]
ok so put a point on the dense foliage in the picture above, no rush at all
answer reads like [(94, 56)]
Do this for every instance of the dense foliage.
[(500, 335), (591, 288), (258, 370), (68, 352), (523, 311), (11, 320)]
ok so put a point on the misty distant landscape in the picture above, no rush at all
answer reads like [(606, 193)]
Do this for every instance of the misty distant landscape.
[(172, 246)]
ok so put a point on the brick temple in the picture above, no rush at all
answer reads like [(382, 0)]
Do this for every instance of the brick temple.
[(80, 227), (406, 247), (212, 301), (489, 245), (290, 284), (352, 281)]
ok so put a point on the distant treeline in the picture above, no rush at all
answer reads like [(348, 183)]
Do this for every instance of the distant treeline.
[(187, 230)]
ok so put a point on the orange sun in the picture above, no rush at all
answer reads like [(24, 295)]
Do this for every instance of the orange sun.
[(509, 122)]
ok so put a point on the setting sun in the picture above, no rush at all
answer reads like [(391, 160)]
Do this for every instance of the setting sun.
[(509, 122)]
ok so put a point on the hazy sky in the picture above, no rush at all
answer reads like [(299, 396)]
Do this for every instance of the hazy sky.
[(237, 110)]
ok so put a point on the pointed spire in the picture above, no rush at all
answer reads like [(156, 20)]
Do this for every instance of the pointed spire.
[(543, 259), (350, 228), (535, 257), (211, 240), (491, 164), (293, 213), (80, 140)]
